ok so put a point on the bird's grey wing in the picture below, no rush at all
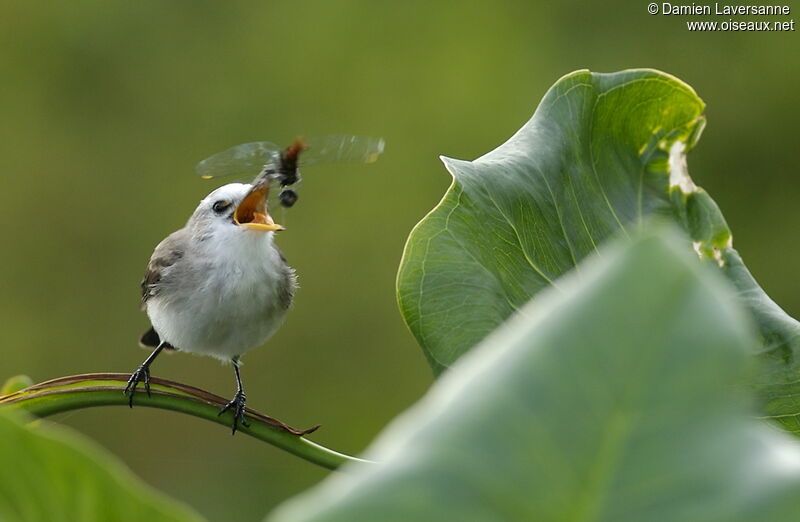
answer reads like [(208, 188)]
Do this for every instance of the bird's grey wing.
[(288, 284), (166, 254)]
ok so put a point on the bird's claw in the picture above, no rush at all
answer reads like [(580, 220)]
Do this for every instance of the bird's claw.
[(142, 373), (238, 406)]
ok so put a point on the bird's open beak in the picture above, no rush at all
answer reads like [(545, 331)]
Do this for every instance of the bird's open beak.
[(252, 211)]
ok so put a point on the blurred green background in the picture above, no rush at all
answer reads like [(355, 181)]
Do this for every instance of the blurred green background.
[(107, 106)]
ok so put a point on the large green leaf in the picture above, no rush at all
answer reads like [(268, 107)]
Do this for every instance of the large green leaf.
[(617, 399), (602, 153), (51, 474)]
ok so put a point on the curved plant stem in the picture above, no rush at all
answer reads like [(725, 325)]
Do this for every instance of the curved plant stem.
[(106, 389)]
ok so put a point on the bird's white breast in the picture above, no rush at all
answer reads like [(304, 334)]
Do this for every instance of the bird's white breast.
[(226, 299)]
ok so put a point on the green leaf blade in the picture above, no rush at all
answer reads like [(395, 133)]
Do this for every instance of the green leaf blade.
[(602, 154), (592, 162), (49, 473), (619, 397)]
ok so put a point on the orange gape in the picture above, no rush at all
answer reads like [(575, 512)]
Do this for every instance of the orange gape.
[(253, 208)]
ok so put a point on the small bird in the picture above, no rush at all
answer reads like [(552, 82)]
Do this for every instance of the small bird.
[(219, 286)]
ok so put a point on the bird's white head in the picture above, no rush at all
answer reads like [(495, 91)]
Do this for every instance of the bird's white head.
[(234, 208)]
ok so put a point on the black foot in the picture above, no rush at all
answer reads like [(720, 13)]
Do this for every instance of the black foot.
[(237, 403), (142, 373)]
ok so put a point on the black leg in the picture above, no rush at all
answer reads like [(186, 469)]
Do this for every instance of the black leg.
[(238, 401), (142, 373)]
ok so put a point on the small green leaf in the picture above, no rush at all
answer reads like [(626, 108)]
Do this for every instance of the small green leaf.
[(15, 384), (51, 474), (617, 399), (602, 153)]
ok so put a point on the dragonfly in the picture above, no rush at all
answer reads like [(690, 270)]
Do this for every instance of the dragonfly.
[(269, 162)]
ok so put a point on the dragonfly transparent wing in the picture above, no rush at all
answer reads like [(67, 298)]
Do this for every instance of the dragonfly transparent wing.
[(341, 149), (246, 159)]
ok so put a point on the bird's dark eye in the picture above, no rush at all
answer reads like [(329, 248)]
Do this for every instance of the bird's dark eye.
[(221, 206)]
